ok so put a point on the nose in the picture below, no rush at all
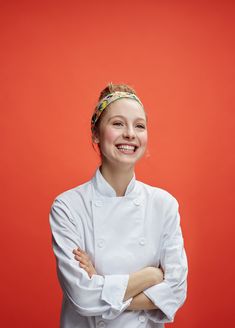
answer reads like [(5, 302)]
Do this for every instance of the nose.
[(129, 133)]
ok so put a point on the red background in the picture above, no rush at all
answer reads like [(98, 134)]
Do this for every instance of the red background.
[(55, 58)]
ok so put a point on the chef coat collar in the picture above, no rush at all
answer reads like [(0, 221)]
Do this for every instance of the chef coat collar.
[(105, 189)]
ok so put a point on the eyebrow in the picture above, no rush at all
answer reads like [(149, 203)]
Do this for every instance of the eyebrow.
[(123, 117)]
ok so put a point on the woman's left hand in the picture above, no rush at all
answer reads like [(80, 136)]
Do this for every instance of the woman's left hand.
[(85, 261)]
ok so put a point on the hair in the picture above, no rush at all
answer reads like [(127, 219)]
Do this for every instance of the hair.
[(110, 88), (115, 87)]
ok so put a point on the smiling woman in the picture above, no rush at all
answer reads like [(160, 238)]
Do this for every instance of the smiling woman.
[(120, 253), (121, 135)]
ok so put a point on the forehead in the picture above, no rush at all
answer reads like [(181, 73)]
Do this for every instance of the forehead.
[(125, 107)]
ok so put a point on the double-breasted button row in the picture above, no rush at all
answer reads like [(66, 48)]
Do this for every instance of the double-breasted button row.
[(101, 242), (100, 203), (102, 324)]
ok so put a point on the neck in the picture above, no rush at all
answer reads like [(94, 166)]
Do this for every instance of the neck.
[(117, 177)]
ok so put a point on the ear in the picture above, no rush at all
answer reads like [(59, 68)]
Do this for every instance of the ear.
[(95, 137), (96, 140)]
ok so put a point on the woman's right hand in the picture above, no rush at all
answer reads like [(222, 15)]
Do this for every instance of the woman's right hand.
[(84, 261)]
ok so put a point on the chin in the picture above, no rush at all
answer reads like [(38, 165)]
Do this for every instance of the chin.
[(129, 161)]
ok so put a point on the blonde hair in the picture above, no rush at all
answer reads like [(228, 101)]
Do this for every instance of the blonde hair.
[(110, 88)]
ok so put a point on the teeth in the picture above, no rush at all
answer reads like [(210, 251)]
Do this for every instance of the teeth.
[(126, 147)]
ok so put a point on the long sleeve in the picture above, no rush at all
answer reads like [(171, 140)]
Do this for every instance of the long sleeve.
[(99, 295), (170, 295)]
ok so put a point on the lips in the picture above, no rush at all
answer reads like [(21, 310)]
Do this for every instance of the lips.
[(127, 147)]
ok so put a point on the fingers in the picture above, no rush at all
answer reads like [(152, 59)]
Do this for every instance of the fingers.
[(80, 252), (84, 261), (81, 256), (84, 266)]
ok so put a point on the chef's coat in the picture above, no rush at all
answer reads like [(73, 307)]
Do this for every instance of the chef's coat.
[(121, 235)]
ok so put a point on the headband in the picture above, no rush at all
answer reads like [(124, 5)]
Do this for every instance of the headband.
[(104, 102)]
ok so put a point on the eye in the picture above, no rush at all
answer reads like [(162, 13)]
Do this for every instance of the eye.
[(140, 126), (117, 123)]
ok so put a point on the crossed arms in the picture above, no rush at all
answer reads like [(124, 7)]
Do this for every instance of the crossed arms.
[(91, 294), (137, 283)]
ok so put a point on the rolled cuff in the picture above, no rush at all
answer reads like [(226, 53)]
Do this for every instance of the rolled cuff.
[(162, 296), (113, 293)]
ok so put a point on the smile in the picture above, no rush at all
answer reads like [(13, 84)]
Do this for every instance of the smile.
[(127, 148)]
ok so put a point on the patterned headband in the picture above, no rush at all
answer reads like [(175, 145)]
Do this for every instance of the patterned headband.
[(103, 103)]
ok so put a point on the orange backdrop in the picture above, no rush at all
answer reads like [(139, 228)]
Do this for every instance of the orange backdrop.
[(55, 58)]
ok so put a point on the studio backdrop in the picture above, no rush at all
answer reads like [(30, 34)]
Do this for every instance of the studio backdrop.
[(56, 56)]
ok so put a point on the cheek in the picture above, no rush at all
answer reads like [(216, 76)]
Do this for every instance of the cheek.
[(144, 139), (110, 136)]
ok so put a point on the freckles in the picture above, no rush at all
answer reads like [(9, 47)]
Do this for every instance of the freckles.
[(144, 139), (110, 135)]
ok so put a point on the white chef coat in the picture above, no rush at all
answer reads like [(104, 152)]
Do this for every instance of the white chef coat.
[(121, 235)]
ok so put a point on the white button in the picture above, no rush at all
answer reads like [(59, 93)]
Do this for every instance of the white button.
[(142, 241), (141, 318), (99, 203), (137, 202), (100, 243), (101, 324)]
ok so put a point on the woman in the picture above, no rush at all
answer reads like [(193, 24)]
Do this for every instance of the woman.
[(117, 241)]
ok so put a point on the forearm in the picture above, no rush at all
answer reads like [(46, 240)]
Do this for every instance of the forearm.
[(141, 280), (137, 282), (141, 302)]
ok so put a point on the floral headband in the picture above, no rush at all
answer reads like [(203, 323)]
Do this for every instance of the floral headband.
[(103, 103)]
